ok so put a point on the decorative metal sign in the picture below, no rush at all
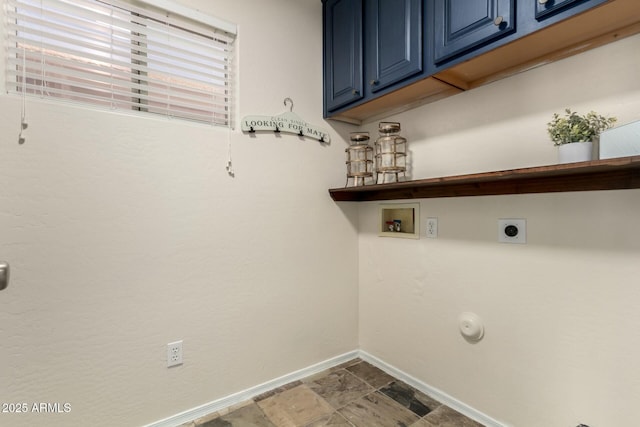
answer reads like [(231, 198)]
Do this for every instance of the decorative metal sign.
[(288, 122)]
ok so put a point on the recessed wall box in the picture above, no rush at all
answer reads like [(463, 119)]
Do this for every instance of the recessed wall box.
[(400, 220)]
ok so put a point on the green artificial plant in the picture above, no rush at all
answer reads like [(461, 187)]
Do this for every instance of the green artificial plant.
[(576, 128)]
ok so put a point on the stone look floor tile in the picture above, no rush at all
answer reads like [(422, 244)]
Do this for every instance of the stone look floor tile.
[(353, 394), (276, 391), (222, 412), (334, 420), (247, 416), (421, 423), (416, 401), (443, 416), (374, 376), (209, 417), (326, 372), (297, 406), (340, 387), (378, 410)]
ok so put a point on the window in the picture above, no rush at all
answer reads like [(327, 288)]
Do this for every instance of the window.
[(116, 54)]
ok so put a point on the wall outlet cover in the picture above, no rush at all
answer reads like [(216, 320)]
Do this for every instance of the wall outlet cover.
[(512, 230), (431, 228), (174, 354)]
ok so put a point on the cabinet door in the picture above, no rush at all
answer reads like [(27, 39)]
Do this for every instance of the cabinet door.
[(546, 8), (342, 52), (393, 40), (461, 25)]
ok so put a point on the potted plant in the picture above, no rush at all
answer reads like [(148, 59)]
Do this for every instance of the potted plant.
[(574, 134)]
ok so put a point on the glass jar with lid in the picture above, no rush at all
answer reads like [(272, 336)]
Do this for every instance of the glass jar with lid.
[(359, 160), (390, 153)]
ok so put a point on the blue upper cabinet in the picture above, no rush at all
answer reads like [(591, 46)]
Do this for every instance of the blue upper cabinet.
[(371, 47), (343, 72), (547, 8), (462, 25), (393, 40), (386, 56), (547, 12)]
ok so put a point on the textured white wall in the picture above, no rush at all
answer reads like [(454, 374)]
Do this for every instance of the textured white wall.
[(561, 345), (126, 233)]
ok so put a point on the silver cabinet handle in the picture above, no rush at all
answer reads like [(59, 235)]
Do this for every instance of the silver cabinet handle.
[(4, 275), (373, 82), (499, 20)]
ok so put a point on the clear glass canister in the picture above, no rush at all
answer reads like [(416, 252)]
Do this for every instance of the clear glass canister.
[(390, 153), (359, 160)]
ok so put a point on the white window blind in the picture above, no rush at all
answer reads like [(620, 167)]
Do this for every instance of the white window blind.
[(120, 55)]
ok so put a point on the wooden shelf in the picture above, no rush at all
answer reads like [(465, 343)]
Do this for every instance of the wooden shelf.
[(609, 174)]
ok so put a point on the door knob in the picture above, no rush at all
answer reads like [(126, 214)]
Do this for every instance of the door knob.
[(4, 275), (373, 82), (499, 20), (542, 1)]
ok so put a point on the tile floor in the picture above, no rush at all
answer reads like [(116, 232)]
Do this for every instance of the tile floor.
[(354, 394)]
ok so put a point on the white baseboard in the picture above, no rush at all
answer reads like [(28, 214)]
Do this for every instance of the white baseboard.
[(243, 396), (439, 395)]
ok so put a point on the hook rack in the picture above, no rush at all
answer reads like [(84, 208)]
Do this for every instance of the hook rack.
[(288, 122), (291, 102)]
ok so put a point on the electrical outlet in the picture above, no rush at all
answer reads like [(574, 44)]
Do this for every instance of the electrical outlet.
[(174, 354), (432, 228), (512, 230)]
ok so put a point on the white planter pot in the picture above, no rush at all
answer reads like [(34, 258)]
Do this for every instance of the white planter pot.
[(575, 152)]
